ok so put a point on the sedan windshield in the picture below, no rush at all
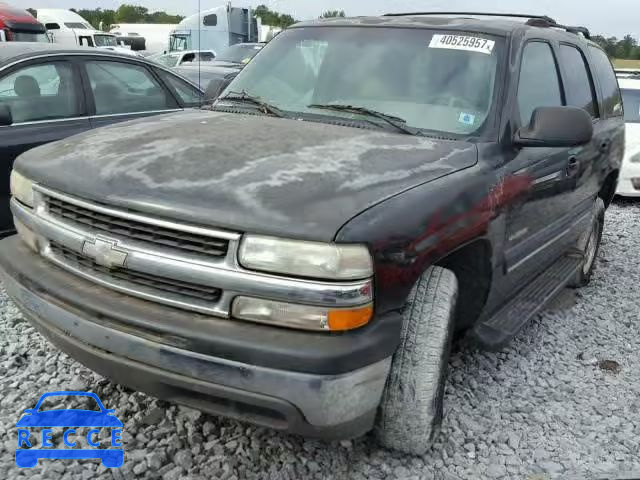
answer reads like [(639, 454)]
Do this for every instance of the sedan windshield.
[(429, 80)]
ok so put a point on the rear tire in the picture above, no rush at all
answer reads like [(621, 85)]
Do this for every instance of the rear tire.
[(411, 409), (589, 244)]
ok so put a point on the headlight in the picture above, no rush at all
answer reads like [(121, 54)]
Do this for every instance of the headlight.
[(21, 188), (304, 317), (305, 259)]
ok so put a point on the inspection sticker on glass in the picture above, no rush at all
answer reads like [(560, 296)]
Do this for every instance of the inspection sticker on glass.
[(463, 42)]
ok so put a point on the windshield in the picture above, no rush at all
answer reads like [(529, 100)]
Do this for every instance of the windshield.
[(631, 101), (432, 80), (30, 37), (239, 53), (178, 43), (64, 402), (170, 60), (105, 41)]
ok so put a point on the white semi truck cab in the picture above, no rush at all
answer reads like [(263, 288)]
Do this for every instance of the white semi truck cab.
[(215, 29)]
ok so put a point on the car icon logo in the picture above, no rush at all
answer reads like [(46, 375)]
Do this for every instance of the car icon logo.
[(70, 420)]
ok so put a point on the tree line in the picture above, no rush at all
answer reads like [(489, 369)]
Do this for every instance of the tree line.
[(627, 48), (137, 14)]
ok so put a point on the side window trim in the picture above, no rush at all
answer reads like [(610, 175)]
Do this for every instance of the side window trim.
[(80, 100), (592, 83), (516, 114)]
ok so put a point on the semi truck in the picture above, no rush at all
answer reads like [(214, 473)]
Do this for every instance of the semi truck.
[(67, 27), (216, 29), (17, 25)]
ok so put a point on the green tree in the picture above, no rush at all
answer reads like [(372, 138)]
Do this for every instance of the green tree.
[(272, 18), (333, 14), (131, 13)]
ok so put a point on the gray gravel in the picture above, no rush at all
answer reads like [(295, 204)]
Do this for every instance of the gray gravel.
[(563, 401)]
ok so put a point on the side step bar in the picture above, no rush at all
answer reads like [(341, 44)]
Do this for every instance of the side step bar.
[(505, 324)]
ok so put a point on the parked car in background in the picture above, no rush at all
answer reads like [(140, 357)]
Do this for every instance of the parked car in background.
[(629, 183), (300, 254), (17, 25), (175, 59), (237, 56), (204, 74), (42, 98)]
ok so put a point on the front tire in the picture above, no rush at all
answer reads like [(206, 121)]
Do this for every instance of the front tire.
[(411, 409)]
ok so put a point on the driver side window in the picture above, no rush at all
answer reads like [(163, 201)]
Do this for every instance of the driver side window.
[(539, 85)]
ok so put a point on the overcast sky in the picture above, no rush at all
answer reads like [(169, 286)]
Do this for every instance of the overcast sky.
[(609, 17)]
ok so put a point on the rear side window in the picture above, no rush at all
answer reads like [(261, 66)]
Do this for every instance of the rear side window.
[(579, 87), (124, 88), (608, 82), (539, 85)]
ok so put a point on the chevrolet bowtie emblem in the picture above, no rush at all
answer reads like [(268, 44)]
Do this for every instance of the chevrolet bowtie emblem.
[(105, 252)]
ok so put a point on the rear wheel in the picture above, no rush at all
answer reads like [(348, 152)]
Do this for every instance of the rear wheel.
[(589, 244), (411, 408)]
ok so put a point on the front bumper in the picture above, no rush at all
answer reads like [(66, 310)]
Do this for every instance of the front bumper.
[(85, 321)]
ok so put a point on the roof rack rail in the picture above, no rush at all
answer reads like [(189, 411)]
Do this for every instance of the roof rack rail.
[(543, 21), (478, 14)]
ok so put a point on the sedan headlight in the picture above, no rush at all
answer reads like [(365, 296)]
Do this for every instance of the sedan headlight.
[(306, 259), (21, 188)]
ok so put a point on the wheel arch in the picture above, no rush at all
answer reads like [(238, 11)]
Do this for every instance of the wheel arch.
[(472, 265)]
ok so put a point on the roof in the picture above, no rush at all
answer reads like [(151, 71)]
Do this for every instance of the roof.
[(9, 13), (493, 25), (12, 51)]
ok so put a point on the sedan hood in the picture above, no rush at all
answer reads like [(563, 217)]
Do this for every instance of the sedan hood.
[(243, 172)]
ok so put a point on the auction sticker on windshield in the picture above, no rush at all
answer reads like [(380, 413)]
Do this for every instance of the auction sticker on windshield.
[(463, 42)]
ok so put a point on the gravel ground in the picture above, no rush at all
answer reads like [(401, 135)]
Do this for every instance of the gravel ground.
[(563, 401)]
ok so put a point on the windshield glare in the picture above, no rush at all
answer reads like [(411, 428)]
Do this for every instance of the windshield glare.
[(407, 73)]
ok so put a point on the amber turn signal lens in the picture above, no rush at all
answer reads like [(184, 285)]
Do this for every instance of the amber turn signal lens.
[(340, 320)]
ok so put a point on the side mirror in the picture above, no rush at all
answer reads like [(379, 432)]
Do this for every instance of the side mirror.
[(556, 127), (29, 411), (6, 118), (215, 88)]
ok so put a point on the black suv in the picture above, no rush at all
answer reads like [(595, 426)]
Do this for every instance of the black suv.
[(300, 254)]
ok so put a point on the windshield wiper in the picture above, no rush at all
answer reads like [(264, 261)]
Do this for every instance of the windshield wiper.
[(397, 122), (263, 106)]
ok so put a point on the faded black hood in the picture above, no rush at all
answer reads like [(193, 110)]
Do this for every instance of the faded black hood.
[(247, 173)]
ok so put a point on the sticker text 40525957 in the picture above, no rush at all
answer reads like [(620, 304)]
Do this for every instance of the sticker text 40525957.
[(463, 42)]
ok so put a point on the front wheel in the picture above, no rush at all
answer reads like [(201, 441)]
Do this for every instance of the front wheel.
[(411, 408)]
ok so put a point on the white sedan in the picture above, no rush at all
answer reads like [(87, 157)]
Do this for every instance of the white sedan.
[(629, 180), (184, 57)]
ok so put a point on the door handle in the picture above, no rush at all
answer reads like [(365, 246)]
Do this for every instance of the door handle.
[(573, 165), (605, 145)]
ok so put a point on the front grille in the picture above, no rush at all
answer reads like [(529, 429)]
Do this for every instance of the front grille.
[(132, 279), (135, 230)]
